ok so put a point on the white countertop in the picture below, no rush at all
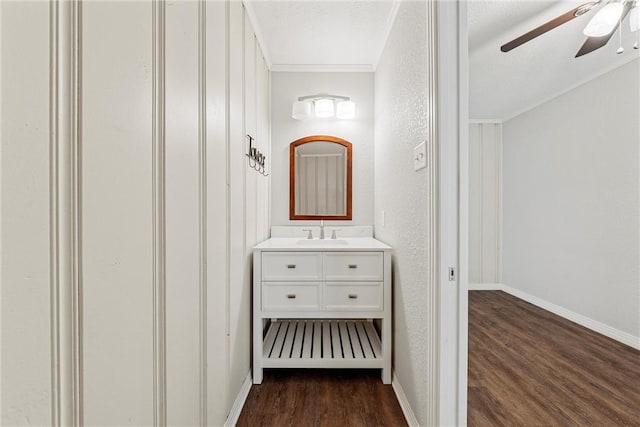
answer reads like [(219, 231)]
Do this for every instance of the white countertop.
[(343, 244)]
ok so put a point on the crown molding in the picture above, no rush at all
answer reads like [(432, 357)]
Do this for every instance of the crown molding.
[(323, 68), (387, 30), (485, 121), (576, 85), (257, 30)]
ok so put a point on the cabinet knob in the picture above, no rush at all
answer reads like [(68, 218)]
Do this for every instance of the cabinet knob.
[(353, 296), (353, 265), (291, 266), (291, 296)]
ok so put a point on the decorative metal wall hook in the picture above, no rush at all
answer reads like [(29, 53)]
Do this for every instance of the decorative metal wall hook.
[(257, 157)]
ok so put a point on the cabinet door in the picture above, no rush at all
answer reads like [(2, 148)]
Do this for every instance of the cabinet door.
[(350, 296), (291, 266), (290, 297), (353, 266)]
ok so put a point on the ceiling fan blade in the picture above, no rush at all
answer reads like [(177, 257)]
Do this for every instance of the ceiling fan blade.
[(550, 25), (594, 43)]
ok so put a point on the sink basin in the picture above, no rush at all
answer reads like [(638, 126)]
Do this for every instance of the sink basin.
[(325, 242)]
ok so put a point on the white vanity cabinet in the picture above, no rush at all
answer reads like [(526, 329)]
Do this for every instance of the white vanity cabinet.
[(319, 301)]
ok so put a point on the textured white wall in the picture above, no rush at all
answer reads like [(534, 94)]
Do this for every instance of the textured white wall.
[(571, 189), (402, 196), (286, 88), (485, 203), (119, 309)]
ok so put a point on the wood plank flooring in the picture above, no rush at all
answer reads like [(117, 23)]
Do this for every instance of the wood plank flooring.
[(530, 367), (321, 397)]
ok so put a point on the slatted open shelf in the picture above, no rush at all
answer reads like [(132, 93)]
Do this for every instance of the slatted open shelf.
[(322, 344)]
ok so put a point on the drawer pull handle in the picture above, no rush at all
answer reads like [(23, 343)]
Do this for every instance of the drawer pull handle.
[(291, 266), (353, 265), (291, 296), (353, 296)]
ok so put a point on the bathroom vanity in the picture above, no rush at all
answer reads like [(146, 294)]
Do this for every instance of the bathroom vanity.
[(315, 304)]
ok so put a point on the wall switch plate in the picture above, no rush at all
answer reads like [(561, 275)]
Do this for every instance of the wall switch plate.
[(420, 156)]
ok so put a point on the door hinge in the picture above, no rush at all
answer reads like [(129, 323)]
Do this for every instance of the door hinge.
[(452, 274)]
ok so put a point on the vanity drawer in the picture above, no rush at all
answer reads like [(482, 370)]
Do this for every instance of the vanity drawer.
[(345, 296), (291, 266), (361, 266), (288, 297)]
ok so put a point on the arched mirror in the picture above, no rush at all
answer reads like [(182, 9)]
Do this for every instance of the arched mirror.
[(320, 178)]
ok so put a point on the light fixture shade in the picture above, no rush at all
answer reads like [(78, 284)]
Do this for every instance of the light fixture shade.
[(634, 18), (604, 22), (301, 110), (345, 110), (324, 107)]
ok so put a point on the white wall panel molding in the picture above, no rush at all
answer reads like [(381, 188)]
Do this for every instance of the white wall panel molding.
[(202, 199), (217, 219), (485, 202), (65, 213), (159, 226), (323, 68), (433, 222)]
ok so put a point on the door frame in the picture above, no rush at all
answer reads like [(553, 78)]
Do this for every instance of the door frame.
[(453, 135)]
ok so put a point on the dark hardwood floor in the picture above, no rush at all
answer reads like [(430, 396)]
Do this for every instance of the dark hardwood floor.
[(320, 397), (530, 367), (527, 367)]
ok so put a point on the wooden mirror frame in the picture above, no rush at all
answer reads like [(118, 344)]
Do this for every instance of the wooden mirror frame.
[(292, 174)]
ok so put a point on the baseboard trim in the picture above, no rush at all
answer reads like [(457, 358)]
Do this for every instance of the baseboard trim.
[(238, 404), (594, 325), (485, 286), (404, 403)]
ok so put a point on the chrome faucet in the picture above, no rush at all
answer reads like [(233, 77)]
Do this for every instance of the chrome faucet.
[(322, 229)]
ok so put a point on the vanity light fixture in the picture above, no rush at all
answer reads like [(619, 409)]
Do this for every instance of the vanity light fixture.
[(301, 110), (323, 106), (345, 110)]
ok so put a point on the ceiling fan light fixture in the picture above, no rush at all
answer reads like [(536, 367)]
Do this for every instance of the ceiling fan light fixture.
[(605, 21), (634, 18)]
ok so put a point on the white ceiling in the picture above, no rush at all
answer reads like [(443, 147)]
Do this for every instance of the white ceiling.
[(349, 35), (322, 35), (503, 85)]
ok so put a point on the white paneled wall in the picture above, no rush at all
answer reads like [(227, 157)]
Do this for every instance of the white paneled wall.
[(118, 238), (25, 220), (485, 203), (128, 209)]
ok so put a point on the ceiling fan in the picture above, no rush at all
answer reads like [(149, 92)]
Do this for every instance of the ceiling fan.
[(598, 31)]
